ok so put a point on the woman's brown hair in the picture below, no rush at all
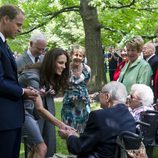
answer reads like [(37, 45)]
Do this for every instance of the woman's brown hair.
[(47, 72)]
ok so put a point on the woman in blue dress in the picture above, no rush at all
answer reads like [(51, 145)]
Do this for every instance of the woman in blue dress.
[(76, 102)]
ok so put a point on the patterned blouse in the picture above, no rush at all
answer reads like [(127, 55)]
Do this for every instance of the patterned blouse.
[(76, 102)]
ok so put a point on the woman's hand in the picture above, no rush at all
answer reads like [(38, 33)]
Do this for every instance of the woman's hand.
[(51, 91), (69, 128), (65, 133), (64, 126), (43, 92)]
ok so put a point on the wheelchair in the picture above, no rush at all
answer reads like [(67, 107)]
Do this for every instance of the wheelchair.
[(127, 141), (149, 133)]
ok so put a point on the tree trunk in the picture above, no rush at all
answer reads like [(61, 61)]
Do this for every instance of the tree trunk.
[(93, 45)]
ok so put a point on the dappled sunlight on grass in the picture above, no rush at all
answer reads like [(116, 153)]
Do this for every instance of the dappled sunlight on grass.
[(95, 106), (22, 151), (61, 144)]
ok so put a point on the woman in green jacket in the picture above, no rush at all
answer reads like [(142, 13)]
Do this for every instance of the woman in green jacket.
[(137, 70)]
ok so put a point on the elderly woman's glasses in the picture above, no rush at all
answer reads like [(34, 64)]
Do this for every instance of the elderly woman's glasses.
[(133, 97)]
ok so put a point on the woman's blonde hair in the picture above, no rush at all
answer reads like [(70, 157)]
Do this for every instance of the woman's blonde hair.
[(78, 48), (136, 42)]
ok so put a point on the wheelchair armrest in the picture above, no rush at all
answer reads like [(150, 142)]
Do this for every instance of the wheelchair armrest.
[(128, 133), (151, 111), (131, 140), (143, 123)]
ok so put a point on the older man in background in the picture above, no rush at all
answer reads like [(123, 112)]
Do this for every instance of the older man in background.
[(150, 56), (35, 51)]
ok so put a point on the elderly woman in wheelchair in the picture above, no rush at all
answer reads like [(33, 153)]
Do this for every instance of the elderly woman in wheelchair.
[(141, 103), (140, 99)]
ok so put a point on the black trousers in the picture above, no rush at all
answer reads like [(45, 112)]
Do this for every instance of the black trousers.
[(10, 143)]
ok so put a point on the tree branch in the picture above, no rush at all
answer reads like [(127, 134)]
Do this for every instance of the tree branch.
[(67, 9), (150, 37), (52, 15), (147, 9), (113, 30), (123, 6)]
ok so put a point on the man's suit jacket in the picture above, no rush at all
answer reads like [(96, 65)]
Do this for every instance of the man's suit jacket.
[(11, 103), (24, 60), (156, 86), (153, 61), (99, 137)]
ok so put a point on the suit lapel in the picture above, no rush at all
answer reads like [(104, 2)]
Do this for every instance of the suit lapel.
[(27, 59), (11, 57), (7, 52)]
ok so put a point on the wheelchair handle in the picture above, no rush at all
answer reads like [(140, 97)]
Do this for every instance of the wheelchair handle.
[(143, 123), (151, 111), (128, 133)]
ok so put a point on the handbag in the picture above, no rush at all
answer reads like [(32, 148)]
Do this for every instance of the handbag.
[(131, 148), (137, 153)]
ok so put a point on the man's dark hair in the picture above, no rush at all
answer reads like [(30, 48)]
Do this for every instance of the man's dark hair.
[(10, 10)]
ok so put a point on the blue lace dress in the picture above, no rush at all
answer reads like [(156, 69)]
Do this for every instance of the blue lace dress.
[(76, 102)]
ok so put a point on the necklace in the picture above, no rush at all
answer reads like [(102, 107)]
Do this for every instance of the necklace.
[(76, 70)]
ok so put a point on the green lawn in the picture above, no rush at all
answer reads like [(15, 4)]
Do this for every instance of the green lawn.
[(61, 145)]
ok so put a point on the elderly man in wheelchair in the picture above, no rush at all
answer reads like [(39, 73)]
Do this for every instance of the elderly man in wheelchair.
[(103, 126)]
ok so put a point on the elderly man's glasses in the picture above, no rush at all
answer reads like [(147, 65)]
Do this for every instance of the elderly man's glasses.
[(42, 49), (102, 92)]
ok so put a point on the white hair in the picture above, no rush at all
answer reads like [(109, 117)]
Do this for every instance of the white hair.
[(144, 92), (37, 35), (116, 90), (151, 46)]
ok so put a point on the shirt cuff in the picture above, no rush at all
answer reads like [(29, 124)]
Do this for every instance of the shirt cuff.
[(22, 91)]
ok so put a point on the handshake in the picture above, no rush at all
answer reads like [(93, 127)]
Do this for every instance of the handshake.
[(64, 133)]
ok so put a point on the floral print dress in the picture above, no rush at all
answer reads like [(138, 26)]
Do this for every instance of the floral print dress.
[(76, 102)]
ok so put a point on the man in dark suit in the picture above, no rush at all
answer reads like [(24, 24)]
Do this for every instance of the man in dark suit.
[(103, 126), (150, 56), (35, 51), (113, 59), (11, 103)]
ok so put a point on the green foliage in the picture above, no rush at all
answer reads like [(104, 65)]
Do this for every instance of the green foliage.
[(118, 19), (69, 2)]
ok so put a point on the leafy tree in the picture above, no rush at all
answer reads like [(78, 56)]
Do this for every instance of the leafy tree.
[(91, 23)]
